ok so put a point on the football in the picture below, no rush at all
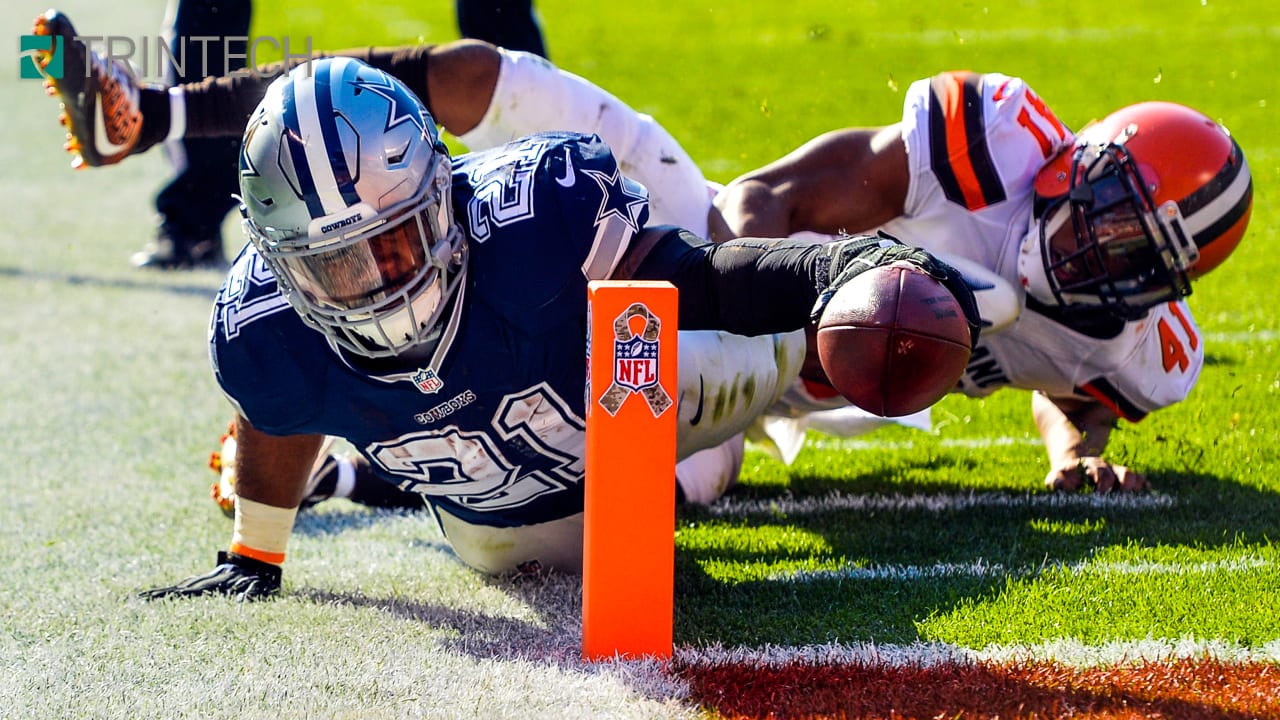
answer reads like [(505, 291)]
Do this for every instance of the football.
[(893, 340)]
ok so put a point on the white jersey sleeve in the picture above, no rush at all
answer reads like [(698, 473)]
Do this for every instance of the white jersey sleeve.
[(532, 95), (974, 144), (1149, 364)]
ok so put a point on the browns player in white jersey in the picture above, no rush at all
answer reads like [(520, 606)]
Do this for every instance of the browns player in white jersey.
[(1100, 232)]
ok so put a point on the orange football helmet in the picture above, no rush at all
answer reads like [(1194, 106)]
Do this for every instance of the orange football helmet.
[(1148, 199)]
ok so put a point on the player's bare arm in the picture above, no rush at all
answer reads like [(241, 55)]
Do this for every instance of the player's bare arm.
[(272, 474), (461, 82), (847, 180), (273, 469), (1075, 434)]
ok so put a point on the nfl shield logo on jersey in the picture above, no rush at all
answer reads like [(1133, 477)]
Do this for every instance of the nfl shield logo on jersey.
[(427, 380)]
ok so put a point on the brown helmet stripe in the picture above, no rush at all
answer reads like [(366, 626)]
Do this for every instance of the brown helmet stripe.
[(1220, 203)]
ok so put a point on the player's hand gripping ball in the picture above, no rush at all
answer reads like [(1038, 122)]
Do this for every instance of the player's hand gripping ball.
[(893, 340)]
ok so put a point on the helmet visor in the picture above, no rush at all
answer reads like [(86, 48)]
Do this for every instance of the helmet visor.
[(1115, 248), (1106, 239), (365, 270)]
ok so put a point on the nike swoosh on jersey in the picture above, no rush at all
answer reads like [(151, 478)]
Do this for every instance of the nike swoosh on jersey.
[(999, 94), (570, 177), (697, 413)]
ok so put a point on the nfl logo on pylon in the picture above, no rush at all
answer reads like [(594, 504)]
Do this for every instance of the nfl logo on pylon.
[(427, 380), (635, 363)]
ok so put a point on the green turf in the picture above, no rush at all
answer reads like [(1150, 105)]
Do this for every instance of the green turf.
[(110, 409)]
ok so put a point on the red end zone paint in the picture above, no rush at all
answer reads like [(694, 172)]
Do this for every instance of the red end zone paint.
[(1178, 690)]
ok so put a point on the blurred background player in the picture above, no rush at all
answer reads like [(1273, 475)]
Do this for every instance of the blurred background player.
[(511, 24), (193, 204)]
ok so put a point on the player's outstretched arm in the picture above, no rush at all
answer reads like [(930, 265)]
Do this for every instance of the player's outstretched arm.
[(1075, 434), (845, 181), (271, 477), (753, 286)]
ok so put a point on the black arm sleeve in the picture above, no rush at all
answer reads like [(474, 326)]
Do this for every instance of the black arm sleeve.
[(754, 287), (747, 287)]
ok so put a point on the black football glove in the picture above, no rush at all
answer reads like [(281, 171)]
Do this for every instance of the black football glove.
[(236, 575), (855, 255)]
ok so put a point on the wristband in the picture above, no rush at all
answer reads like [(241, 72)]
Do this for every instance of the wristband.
[(262, 531)]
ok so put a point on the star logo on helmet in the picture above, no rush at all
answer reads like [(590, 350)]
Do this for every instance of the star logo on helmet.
[(401, 109), (246, 162), (623, 198)]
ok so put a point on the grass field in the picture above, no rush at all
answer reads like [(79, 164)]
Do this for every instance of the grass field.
[(926, 574)]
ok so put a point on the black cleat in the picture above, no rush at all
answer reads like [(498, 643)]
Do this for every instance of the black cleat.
[(174, 250)]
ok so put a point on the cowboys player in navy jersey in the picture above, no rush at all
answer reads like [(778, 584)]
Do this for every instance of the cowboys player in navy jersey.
[(431, 310), (486, 96)]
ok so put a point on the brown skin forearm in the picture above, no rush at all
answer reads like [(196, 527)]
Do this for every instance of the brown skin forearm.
[(1075, 434), (848, 181), (461, 81), (1071, 428), (272, 469)]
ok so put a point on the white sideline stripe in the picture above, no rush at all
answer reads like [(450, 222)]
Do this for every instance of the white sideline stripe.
[(929, 654), (830, 442), (1233, 565), (974, 569), (1243, 337), (980, 569), (948, 502)]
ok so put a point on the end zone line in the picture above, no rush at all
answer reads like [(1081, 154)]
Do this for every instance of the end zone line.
[(947, 502)]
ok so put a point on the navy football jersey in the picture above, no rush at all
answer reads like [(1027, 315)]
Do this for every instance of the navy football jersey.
[(491, 426)]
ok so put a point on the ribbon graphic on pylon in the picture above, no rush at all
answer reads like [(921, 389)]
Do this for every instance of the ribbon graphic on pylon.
[(635, 363)]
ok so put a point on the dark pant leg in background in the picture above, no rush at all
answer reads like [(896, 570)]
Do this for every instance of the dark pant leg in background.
[(194, 203), (511, 24)]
